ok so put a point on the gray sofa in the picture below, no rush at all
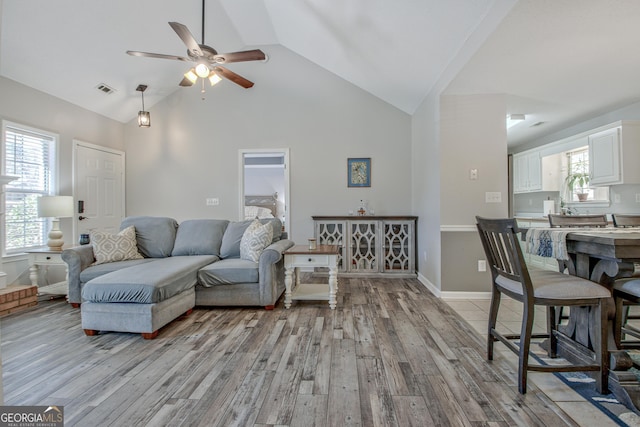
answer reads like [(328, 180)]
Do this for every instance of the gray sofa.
[(195, 263)]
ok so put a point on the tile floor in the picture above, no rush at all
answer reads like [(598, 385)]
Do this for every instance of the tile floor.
[(476, 313)]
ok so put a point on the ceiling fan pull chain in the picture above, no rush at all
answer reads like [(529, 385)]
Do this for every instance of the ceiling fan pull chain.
[(202, 91)]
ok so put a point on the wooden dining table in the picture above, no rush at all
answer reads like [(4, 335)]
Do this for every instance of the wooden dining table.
[(601, 255)]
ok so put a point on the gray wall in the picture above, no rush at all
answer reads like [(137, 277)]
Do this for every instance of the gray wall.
[(473, 136), (24, 105), (191, 150)]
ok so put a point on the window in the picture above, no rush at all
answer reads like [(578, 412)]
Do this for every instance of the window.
[(29, 154), (578, 179)]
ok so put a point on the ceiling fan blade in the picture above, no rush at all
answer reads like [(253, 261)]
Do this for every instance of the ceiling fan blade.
[(247, 55), (186, 36), (158, 55), (230, 75)]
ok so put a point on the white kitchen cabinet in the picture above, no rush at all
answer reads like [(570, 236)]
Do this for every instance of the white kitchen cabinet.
[(527, 172), (532, 172), (614, 154)]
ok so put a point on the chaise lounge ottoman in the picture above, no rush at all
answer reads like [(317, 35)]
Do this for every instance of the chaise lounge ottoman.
[(142, 298)]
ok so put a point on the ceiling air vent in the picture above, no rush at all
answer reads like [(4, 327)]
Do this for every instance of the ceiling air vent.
[(106, 89)]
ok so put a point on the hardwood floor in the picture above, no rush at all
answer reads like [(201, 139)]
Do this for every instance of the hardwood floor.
[(391, 354)]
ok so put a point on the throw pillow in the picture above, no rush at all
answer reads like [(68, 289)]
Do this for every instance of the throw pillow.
[(255, 238), (108, 247), (230, 247)]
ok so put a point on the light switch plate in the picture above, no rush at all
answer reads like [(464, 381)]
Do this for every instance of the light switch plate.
[(493, 197)]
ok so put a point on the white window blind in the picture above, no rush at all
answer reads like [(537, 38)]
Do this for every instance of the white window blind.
[(29, 155)]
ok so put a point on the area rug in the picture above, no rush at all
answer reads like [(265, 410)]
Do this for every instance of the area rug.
[(584, 385)]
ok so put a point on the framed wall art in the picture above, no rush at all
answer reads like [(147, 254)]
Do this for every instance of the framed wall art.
[(359, 172)]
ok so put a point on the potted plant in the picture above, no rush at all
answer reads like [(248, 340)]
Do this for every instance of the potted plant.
[(578, 180)]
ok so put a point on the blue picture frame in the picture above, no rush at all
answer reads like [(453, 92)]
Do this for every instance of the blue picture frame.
[(359, 172)]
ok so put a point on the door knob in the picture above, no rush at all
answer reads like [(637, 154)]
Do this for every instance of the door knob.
[(82, 217)]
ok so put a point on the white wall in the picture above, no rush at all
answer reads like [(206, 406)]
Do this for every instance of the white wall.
[(24, 105), (191, 150)]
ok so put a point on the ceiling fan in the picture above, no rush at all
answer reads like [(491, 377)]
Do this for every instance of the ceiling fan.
[(207, 60)]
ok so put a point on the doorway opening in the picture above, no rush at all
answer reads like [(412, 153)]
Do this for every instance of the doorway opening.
[(264, 185)]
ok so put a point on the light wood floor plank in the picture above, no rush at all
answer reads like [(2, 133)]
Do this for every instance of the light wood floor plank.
[(390, 354)]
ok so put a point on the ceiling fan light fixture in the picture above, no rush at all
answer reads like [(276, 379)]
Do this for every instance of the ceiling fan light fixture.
[(144, 117), (214, 78), (191, 75), (202, 70)]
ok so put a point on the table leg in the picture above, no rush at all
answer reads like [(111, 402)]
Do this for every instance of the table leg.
[(333, 287), (33, 274), (622, 382), (289, 271)]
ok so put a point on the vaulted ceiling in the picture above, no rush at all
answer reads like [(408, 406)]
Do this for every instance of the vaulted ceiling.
[(565, 60)]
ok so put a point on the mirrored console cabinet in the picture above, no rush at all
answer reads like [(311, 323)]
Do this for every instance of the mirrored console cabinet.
[(371, 245)]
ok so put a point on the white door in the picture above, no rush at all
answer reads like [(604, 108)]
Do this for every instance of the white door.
[(98, 188)]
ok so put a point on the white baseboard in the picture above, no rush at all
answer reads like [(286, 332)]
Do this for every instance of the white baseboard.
[(430, 286), (466, 295), (451, 294)]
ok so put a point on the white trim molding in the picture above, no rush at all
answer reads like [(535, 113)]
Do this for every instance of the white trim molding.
[(458, 228), (451, 294)]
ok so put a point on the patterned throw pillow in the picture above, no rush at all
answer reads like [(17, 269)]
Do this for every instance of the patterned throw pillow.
[(255, 238), (109, 247)]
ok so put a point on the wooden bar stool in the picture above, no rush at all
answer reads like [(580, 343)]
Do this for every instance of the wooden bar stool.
[(511, 277), (626, 293)]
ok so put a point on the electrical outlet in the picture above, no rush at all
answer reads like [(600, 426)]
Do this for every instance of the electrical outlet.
[(424, 256), (616, 198), (637, 197), (482, 265), (473, 174)]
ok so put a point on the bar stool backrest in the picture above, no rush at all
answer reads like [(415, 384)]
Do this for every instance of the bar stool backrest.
[(578, 220), (626, 220)]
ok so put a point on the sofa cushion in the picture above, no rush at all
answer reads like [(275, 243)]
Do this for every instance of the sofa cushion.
[(199, 237), (227, 272), (155, 235), (255, 238), (230, 247), (147, 283), (108, 247), (96, 270), (277, 227)]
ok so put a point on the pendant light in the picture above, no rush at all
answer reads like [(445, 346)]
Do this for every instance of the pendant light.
[(144, 117)]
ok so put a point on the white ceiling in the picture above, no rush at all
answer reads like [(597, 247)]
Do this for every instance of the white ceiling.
[(559, 61)]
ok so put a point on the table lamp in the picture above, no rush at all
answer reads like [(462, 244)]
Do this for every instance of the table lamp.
[(55, 207)]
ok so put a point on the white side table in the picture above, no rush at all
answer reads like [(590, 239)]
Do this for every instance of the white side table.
[(301, 256), (44, 257)]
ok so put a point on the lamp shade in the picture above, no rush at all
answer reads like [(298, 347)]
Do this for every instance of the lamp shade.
[(55, 206)]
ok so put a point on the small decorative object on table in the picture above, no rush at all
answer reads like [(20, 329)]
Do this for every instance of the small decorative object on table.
[(362, 211), (84, 239), (312, 244)]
